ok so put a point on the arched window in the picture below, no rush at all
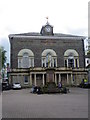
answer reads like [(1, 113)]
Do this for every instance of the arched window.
[(71, 58), (71, 61), (25, 58), (49, 58)]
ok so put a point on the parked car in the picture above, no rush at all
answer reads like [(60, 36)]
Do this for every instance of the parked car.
[(16, 86), (6, 86)]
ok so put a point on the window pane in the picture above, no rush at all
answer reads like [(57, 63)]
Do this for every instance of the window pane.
[(54, 63), (76, 63), (25, 60), (87, 61), (26, 79), (65, 63), (71, 63)]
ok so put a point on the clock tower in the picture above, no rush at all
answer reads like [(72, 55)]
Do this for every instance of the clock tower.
[(47, 29)]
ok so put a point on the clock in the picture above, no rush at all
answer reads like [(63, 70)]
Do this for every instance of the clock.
[(48, 29)]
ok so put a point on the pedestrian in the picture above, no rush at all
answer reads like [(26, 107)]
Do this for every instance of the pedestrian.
[(32, 89), (85, 81), (82, 81), (60, 85)]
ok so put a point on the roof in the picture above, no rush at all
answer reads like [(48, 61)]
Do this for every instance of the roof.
[(55, 35)]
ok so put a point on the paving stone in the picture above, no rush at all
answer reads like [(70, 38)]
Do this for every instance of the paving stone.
[(23, 104)]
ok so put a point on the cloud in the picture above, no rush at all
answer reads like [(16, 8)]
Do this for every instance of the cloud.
[(24, 16), (78, 31), (20, 16)]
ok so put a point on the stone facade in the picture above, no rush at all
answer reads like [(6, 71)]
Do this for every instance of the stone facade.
[(39, 42)]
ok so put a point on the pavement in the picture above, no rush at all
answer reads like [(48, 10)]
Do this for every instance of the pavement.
[(23, 104)]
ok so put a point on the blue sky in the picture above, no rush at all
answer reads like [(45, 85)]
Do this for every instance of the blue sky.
[(21, 16)]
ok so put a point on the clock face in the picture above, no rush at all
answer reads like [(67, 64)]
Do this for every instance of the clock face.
[(47, 29)]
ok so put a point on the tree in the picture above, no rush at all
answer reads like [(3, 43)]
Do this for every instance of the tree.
[(88, 53), (3, 57)]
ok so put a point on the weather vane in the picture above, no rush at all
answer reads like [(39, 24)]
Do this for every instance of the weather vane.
[(47, 19)]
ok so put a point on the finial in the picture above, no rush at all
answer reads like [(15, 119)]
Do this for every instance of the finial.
[(47, 20)]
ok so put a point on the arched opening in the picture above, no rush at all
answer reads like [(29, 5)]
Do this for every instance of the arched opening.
[(25, 58), (49, 58), (71, 58)]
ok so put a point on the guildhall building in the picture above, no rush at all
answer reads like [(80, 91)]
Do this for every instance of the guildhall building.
[(38, 58)]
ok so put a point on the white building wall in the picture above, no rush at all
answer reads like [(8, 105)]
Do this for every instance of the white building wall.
[(87, 61)]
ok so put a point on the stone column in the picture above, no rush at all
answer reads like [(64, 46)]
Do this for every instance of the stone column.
[(29, 62), (33, 63), (53, 62), (43, 80), (67, 79), (67, 63), (35, 79), (74, 63), (30, 79), (71, 78), (59, 77), (10, 80), (45, 62), (78, 62), (56, 62), (55, 79)]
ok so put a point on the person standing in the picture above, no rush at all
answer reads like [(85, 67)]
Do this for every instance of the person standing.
[(60, 85)]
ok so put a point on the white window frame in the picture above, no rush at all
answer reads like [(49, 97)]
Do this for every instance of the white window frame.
[(30, 58), (27, 80)]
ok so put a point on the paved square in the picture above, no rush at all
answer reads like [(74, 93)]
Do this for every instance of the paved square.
[(23, 104)]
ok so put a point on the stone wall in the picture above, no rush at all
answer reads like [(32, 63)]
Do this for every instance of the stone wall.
[(39, 45)]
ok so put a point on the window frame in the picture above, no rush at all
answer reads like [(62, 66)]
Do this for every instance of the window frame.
[(26, 79), (30, 57)]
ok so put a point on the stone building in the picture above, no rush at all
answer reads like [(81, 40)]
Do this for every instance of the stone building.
[(38, 58)]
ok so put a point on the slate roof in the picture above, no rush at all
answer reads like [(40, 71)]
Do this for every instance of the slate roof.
[(55, 35)]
